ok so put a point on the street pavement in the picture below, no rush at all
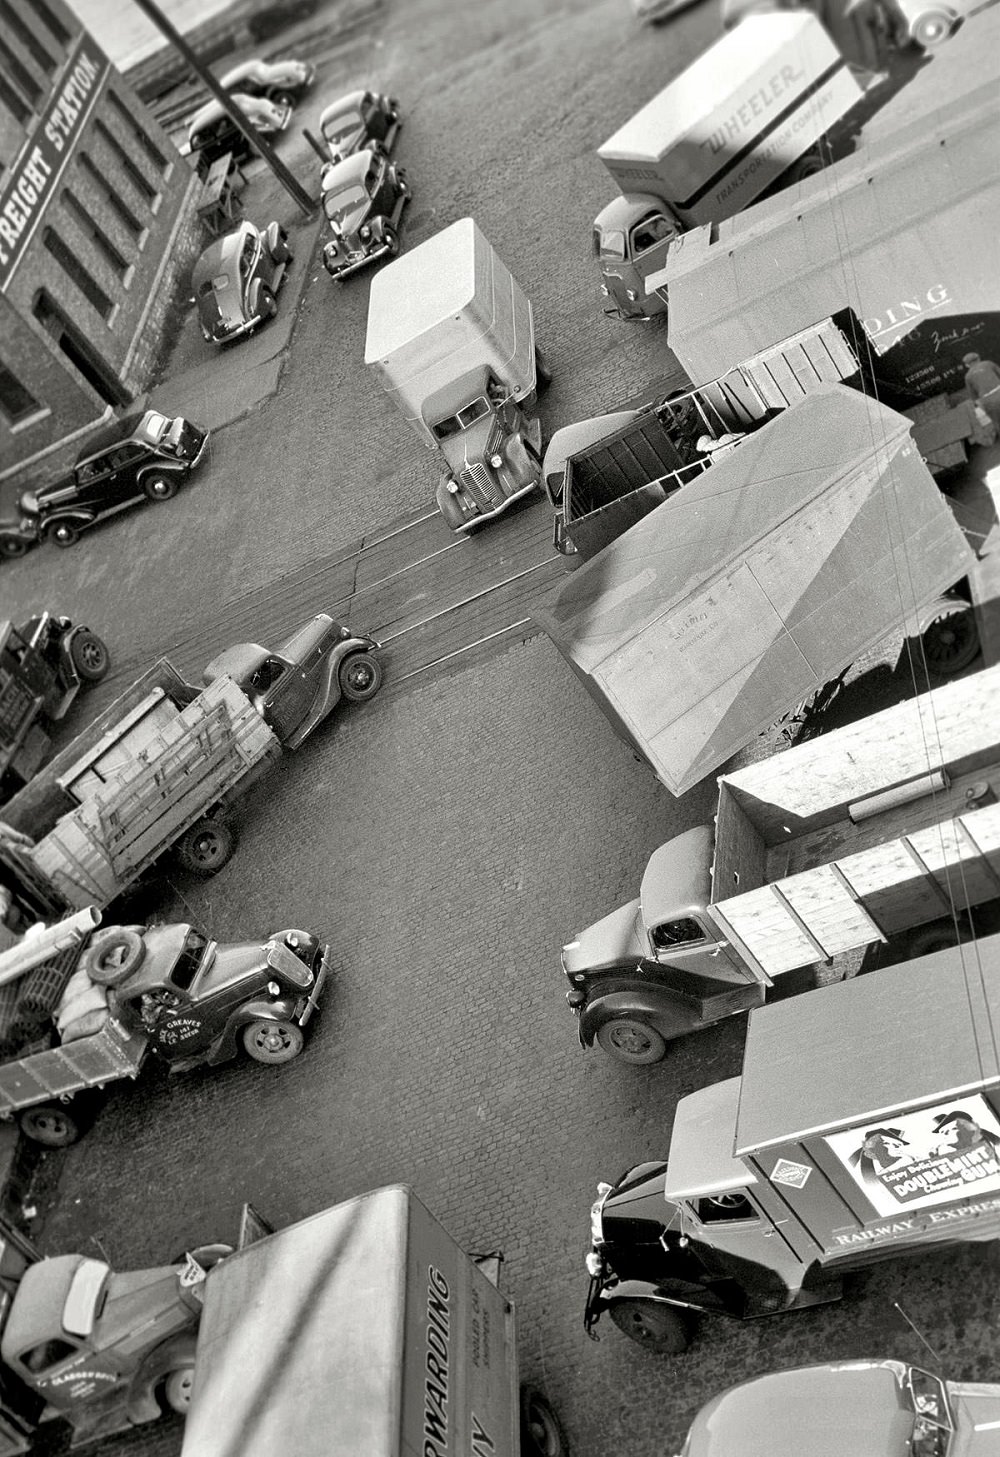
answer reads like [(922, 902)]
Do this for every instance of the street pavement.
[(449, 836)]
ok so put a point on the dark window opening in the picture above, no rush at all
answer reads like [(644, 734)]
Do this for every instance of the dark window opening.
[(187, 964), (17, 108), (52, 22), (118, 203), (144, 185), (50, 1353), (676, 933), (724, 1208), (79, 351), (27, 37), (95, 233), (145, 141), (16, 402), (74, 269), (650, 231), (19, 74)]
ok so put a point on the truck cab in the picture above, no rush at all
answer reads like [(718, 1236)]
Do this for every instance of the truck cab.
[(658, 967), (631, 238)]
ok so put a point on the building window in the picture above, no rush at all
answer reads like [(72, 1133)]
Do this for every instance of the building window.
[(13, 102), (75, 270), (145, 187), (97, 235), (18, 75), (78, 349), (16, 402), (145, 141), (117, 202), (27, 37), (51, 21)]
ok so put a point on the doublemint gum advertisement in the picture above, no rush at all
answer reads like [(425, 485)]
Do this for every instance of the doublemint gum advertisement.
[(917, 1160)]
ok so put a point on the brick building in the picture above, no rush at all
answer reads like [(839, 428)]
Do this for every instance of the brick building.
[(93, 200)]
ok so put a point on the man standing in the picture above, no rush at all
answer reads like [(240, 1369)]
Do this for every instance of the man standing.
[(982, 380)]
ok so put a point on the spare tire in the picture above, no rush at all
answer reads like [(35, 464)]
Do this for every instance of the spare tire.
[(113, 955)]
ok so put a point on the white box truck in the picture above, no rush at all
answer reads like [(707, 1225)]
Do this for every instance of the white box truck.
[(741, 116), (452, 340)]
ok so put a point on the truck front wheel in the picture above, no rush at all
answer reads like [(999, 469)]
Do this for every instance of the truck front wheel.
[(177, 1388), (657, 1328), (90, 656), (273, 1042), (630, 1040), (50, 1125), (541, 1430), (951, 642)]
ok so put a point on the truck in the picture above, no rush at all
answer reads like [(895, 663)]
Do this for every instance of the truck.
[(847, 841), (709, 144), (159, 769), (912, 288), (84, 1345), (451, 338), (761, 580), (43, 664), (91, 1007), (363, 1329), (864, 1126)]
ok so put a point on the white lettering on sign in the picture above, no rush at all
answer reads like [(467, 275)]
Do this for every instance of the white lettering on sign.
[(437, 1365), (758, 103), (901, 315)]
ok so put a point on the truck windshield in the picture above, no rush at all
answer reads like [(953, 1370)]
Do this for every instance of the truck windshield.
[(933, 1426), (187, 964), (462, 419)]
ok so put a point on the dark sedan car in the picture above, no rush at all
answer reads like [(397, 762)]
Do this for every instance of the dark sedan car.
[(363, 200), (357, 120), (236, 280)]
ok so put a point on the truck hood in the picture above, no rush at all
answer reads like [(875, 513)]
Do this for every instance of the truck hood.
[(614, 938)]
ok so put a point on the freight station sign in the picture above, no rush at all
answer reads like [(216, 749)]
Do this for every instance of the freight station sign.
[(33, 178)]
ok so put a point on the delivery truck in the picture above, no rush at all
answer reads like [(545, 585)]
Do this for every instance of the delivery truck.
[(913, 286), (748, 111), (850, 840), (865, 1125), (365, 1329), (159, 769), (761, 580), (451, 339)]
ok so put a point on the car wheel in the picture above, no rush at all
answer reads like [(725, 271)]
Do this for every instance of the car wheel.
[(931, 28), (391, 239), (62, 533), (273, 1042), (11, 546), (360, 677), (541, 1430), (50, 1125), (283, 98), (660, 1329), (630, 1040), (281, 253), (267, 304), (113, 955), (951, 642), (160, 487), (90, 656), (177, 1388), (206, 847)]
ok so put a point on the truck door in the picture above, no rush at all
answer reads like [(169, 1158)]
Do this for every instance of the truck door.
[(690, 946), (647, 252), (735, 1239)]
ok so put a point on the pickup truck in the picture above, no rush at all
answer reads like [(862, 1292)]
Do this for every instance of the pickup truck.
[(159, 768), (852, 839), (865, 1125)]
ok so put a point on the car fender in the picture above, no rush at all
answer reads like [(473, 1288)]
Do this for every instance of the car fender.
[(162, 466), (76, 515), (143, 1405), (448, 504), (635, 1290), (226, 1045), (656, 1006)]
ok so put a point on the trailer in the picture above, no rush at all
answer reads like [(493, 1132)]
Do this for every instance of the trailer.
[(759, 581), (865, 1125), (363, 1329)]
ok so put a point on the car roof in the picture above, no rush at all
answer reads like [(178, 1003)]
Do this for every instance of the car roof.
[(221, 254), (350, 102), (214, 110), (351, 169), (246, 68)]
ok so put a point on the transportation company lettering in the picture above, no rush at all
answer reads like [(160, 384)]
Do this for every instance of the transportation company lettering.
[(33, 179), (902, 315), (437, 1364), (758, 103)]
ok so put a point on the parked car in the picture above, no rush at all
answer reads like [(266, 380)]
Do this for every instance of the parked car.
[(363, 199), (237, 278), (212, 132), (357, 119), (144, 457), (283, 82), (18, 531), (294, 687)]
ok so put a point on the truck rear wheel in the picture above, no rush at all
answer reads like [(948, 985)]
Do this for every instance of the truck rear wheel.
[(49, 1124), (657, 1328), (90, 656), (113, 955), (951, 642), (206, 847), (541, 1430), (273, 1042), (630, 1040)]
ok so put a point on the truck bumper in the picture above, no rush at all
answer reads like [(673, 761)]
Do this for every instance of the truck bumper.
[(312, 1001), (496, 511)]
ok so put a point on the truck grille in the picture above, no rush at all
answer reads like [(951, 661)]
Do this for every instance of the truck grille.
[(481, 486)]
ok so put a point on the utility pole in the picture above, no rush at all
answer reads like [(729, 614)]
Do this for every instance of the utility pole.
[(287, 179)]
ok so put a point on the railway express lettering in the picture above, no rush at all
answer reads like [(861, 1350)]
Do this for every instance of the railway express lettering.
[(437, 1364)]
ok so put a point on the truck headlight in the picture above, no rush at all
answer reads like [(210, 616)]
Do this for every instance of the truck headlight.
[(631, 295), (453, 485), (496, 461), (366, 232), (604, 289), (594, 1264)]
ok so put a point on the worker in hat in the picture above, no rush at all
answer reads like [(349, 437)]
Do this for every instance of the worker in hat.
[(982, 380)]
